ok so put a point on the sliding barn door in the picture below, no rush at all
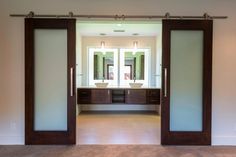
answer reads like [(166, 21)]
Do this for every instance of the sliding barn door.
[(186, 82), (50, 100)]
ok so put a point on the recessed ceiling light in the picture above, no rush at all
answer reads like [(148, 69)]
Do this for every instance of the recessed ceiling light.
[(102, 34), (119, 25), (135, 34), (118, 30)]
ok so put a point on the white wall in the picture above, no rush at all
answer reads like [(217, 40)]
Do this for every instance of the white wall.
[(158, 59), (78, 59), (118, 42), (12, 54)]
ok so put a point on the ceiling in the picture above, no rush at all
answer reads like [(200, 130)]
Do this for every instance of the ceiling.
[(118, 28)]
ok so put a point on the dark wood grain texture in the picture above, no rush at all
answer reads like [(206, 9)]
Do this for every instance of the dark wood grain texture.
[(48, 137), (118, 96), (183, 137), (135, 96), (84, 96), (153, 96), (101, 96)]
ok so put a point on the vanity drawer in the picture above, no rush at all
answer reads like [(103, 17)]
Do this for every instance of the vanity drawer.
[(153, 96), (101, 96), (84, 96), (135, 96)]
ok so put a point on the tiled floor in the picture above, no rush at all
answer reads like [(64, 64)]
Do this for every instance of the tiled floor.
[(118, 128)]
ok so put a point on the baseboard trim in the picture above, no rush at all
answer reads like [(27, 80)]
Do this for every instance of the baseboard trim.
[(12, 140), (216, 140), (224, 140)]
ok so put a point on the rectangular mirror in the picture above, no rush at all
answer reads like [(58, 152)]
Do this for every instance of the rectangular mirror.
[(103, 65), (134, 66)]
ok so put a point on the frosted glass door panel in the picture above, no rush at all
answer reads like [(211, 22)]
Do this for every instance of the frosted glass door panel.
[(186, 73), (50, 80)]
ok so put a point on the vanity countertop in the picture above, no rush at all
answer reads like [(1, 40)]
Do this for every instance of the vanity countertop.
[(117, 87)]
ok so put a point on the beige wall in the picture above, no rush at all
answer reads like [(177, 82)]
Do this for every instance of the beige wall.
[(12, 54), (118, 42)]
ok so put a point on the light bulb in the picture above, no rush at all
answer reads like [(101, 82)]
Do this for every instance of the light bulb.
[(103, 47), (135, 44), (102, 44)]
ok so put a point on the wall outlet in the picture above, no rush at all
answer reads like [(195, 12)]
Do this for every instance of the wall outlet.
[(234, 128)]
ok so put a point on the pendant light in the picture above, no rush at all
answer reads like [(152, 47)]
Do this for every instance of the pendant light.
[(135, 45), (103, 47)]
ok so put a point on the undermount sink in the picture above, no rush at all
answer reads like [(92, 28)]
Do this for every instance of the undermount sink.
[(101, 84), (135, 85)]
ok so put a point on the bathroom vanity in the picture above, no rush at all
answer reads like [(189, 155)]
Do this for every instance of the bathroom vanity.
[(118, 95)]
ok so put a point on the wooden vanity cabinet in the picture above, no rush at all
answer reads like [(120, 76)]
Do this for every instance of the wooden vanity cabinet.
[(83, 96), (153, 96), (119, 96), (135, 96), (101, 96)]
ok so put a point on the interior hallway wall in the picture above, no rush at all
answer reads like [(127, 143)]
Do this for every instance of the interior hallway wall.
[(119, 42), (12, 54)]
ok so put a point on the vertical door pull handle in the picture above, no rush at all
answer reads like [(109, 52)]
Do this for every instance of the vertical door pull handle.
[(71, 81), (165, 82)]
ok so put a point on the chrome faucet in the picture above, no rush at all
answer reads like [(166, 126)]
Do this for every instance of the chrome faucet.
[(134, 79), (103, 79)]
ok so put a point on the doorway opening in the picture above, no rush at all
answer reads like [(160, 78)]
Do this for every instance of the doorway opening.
[(114, 59)]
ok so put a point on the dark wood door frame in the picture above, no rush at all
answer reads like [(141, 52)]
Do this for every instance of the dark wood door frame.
[(48, 137), (185, 137)]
